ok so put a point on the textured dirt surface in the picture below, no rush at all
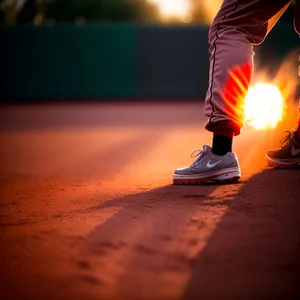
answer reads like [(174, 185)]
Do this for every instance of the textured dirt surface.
[(88, 210)]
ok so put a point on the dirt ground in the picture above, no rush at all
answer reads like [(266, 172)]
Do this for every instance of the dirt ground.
[(88, 210)]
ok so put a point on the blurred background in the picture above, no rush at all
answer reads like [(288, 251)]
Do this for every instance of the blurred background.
[(116, 49), (103, 99)]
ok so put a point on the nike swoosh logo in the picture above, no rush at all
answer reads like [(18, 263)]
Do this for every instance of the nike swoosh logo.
[(295, 151), (209, 165)]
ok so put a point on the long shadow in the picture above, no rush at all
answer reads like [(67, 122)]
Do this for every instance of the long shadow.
[(254, 253), (135, 241), (153, 232), (136, 208)]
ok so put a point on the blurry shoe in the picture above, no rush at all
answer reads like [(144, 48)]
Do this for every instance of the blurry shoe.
[(209, 167), (288, 156)]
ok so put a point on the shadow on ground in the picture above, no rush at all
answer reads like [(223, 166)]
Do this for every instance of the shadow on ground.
[(254, 253), (246, 237)]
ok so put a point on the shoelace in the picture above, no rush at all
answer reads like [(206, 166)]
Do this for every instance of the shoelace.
[(287, 139), (199, 154)]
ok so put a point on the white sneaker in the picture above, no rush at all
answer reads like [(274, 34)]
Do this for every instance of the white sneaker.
[(209, 167)]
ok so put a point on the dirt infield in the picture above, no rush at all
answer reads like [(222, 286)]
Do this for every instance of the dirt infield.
[(88, 210)]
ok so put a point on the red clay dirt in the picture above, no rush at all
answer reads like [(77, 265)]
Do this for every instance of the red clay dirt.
[(88, 210)]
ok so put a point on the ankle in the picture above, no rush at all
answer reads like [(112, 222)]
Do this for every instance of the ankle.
[(221, 144)]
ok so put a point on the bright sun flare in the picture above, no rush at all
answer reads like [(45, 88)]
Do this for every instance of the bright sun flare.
[(174, 9), (263, 106)]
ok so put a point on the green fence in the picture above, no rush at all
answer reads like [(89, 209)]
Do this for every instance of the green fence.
[(69, 62)]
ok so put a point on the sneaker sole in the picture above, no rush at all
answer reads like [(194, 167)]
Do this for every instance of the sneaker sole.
[(221, 176), (282, 163)]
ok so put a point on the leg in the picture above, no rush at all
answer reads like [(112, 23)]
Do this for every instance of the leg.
[(237, 27)]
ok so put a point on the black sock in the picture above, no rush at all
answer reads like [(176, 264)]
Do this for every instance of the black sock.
[(221, 144)]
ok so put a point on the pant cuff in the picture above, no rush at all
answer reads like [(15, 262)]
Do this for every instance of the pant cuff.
[(225, 128)]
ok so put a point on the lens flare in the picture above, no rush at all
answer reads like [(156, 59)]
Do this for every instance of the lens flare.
[(263, 106), (174, 9)]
